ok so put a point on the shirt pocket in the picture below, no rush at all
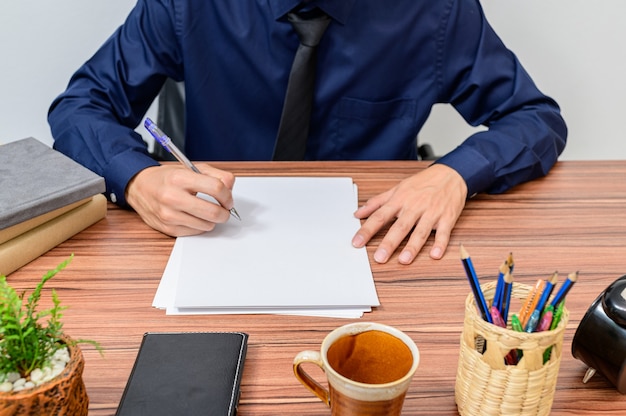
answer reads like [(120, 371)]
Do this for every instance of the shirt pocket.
[(376, 129)]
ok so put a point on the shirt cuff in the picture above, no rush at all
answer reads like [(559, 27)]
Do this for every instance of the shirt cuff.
[(121, 169), (473, 167)]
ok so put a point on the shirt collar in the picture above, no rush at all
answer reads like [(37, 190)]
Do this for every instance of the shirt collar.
[(339, 10)]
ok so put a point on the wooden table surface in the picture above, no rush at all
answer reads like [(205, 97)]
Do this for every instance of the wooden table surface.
[(572, 220)]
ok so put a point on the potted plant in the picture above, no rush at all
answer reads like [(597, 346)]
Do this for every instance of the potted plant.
[(40, 366)]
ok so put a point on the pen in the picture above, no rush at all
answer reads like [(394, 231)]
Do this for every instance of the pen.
[(533, 320), (473, 280), (511, 356), (167, 143), (496, 317), (556, 318), (558, 312), (546, 319), (517, 327)]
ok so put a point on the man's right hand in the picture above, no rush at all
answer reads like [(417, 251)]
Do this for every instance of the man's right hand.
[(165, 198)]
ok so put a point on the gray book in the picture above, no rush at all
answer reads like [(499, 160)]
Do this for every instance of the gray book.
[(36, 179)]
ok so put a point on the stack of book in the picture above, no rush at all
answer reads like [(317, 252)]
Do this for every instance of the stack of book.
[(45, 198)]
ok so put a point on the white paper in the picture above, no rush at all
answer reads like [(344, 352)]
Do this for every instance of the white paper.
[(290, 254), (166, 290)]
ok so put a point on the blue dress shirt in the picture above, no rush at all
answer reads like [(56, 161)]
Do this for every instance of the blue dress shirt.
[(381, 67)]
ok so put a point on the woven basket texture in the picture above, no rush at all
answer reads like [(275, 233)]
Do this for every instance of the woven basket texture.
[(485, 385), (65, 395)]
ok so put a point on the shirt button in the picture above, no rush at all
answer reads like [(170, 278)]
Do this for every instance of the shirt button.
[(113, 197)]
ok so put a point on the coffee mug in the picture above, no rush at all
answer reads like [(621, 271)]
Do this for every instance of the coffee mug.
[(369, 367)]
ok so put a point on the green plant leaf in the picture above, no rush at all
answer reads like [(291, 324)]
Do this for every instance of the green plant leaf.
[(25, 343)]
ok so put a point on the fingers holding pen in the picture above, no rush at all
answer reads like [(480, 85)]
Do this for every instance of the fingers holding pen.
[(207, 197), (227, 178), (209, 172), (223, 194), (165, 197)]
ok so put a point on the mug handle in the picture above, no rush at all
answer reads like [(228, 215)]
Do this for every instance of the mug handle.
[(316, 388)]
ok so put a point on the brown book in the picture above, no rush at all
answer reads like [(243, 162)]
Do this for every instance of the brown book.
[(26, 247), (13, 231)]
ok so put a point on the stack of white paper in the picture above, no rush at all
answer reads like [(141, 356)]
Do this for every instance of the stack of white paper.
[(290, 254)]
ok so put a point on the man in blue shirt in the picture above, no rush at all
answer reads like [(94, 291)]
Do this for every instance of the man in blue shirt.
[(381, 67)]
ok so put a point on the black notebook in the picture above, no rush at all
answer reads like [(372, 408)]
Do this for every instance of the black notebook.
[(186, 373)]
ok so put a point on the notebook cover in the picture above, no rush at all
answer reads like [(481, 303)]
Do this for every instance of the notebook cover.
[(36, 179), (185, 373), (13, 231), (36, 241)]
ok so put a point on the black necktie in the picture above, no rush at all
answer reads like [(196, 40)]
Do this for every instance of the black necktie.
[(294, 122)]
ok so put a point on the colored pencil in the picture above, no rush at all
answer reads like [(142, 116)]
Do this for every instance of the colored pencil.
[(506, 296), (531, 302), (533, 320), (473, 281), (497, 297), (565, 287)]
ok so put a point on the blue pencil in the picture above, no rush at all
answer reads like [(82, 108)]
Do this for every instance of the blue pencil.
[(565, 287), (547, 291), (510, 262), (506, 296), (473, 281), (497, 297)]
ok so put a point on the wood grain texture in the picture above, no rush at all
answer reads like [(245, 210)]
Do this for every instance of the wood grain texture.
[(574, 219)]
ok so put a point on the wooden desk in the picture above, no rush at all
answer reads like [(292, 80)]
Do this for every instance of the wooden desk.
[(574, 219)]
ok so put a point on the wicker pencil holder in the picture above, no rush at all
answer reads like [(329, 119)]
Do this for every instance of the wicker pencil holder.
[(485, 385)]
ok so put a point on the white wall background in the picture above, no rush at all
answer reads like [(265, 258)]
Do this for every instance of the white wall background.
[(574, 49), (42, 43)]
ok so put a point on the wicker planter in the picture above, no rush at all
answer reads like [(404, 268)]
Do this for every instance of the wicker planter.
[(65, 395)]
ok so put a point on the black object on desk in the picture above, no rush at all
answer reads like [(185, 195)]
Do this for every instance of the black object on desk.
[(600, 340), (186, 373)]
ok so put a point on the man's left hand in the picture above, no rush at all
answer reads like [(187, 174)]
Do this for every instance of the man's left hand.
[(432, 199)]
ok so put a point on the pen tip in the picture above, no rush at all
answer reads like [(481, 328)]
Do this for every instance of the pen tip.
[(235, 214)]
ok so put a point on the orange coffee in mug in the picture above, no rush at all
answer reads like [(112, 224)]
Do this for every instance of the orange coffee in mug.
[(369, 367), (372, 357)]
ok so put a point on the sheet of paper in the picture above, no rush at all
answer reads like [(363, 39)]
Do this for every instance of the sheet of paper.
[(164, 299), (290, 254)]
